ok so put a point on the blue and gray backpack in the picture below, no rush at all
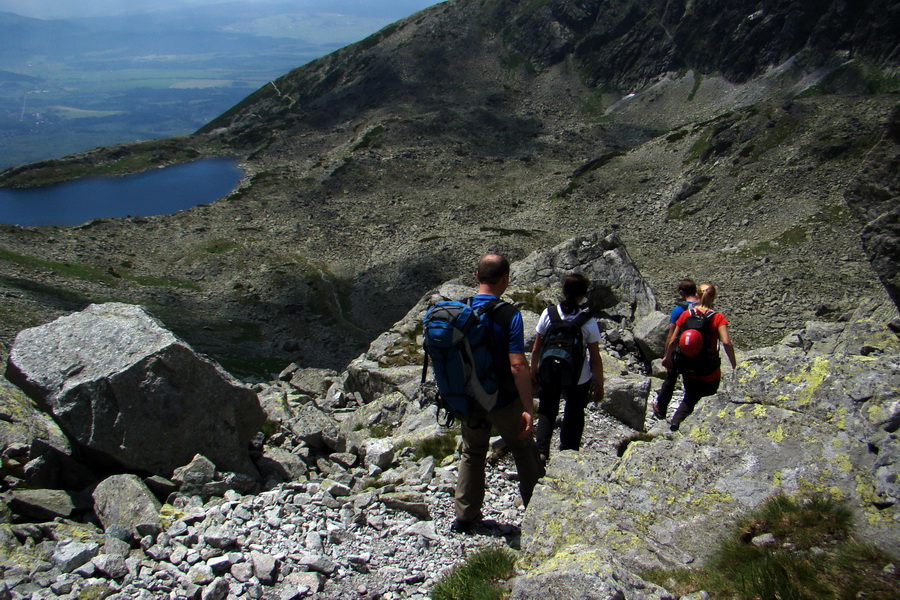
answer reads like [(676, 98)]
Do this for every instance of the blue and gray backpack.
[(457, 341)]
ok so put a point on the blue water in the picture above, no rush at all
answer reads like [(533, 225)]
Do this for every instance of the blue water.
[(155, 192)]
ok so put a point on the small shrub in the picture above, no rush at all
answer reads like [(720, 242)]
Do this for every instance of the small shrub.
[(480, 577), (379, 431), (814, 556), (438, 447)]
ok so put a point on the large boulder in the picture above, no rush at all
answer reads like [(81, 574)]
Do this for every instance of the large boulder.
[(793, 419), (617, 288), (125, 503), (132, 394)]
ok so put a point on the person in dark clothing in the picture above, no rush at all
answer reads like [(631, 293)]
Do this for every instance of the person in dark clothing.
[(575, 288)]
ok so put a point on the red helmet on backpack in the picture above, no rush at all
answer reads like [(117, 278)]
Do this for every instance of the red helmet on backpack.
[(690, 342)]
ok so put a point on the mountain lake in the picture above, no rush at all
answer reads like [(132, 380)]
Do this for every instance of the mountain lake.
[(155, 192)]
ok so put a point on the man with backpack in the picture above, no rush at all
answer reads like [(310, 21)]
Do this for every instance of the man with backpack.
[(687, 290), (512, 414), (565, 360)]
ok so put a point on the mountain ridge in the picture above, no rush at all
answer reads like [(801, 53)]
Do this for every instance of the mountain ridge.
[(391, 165)]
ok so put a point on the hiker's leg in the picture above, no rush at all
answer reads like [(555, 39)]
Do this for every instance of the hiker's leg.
[(694, 389), (548, 409), (525, 452), (470, 480), (577, 398), (664, 396)]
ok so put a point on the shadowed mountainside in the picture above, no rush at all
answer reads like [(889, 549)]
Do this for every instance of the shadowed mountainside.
[(389, 166)]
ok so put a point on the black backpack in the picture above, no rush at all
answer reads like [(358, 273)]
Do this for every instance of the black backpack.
[(562, 350), (697, 356)]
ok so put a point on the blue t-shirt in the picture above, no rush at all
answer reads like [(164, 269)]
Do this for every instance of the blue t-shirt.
[(676, 312), (511, 340)]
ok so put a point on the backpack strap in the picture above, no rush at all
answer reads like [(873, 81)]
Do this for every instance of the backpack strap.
[(582, 318), (553, 314)]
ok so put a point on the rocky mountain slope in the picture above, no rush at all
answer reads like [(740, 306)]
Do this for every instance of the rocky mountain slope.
[(350, 489), (393, 164)]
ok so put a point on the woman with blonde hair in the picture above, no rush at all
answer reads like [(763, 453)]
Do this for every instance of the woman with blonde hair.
[(698, 384)]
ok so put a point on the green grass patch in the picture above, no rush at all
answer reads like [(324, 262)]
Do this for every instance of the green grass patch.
[(528, 300), (90, 274), (438, 447), (219, 246), (699, 147), (379, 431), (481, 577), (404, 351), (813, 557), (514, 61), (793, 237)]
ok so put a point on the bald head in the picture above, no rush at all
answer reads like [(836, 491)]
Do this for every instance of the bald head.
[(492, 268)]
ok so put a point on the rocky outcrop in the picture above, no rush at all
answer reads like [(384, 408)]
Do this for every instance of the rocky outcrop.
[(617, 289), (798, 418), (130, 393), (875, 198)]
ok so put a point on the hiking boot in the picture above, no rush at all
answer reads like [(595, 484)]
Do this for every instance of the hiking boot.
[(658, 414), (464, 527)]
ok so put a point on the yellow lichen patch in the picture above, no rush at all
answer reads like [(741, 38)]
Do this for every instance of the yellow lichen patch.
[(759, 411), (839, 419), (843, 462), (723, 413), (700, 435), (776, 479), (739, 412), (168, 514), (809, 379), (777, 435), (748, 373), (876, 413)]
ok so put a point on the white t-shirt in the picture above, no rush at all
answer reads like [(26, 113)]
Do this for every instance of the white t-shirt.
[(590, 331)]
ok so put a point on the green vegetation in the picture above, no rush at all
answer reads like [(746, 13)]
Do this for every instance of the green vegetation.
[(405, 351), (514, 61), (480, 577), (676, 136), (528, 300), (122, 161), (87, 273), (813, 557), (699, 146), (438, 447), (379, 431), (794, 236)]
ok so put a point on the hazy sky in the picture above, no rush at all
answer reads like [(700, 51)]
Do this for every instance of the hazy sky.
[(60, 9)]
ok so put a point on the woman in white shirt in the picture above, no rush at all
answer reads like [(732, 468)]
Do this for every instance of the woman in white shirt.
[(577, 395)]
